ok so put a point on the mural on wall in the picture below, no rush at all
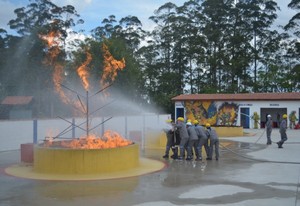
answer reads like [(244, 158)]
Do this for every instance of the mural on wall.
[(203, 111), (227, 114), (210, 112)]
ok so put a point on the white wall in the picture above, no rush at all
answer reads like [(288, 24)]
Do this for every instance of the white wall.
[(15, 133), (255, 106)]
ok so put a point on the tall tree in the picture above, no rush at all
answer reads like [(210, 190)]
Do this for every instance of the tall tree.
[(216, 14), (259, 15), (123, 39), (171, 59), (37, 19), (293, 52)]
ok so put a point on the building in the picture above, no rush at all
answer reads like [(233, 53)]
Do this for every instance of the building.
[(237, 109), (16, 107)]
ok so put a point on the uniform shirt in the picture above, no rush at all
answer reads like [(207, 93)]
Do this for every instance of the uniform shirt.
[(192, 133), (269, 124), (212, 134), (283, 126), (182, 130), (200, 131)]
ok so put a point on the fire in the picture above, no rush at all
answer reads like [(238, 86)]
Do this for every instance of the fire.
[(110, 139), (111, 67), (83, 72), (53, 43)]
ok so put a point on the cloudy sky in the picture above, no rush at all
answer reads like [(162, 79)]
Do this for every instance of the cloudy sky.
[(93, 11)]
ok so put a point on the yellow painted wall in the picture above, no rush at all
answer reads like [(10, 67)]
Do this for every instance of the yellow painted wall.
[(155, 140), (229, 131), (85, 161)]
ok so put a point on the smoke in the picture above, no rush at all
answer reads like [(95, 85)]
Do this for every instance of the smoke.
[(14, 70)]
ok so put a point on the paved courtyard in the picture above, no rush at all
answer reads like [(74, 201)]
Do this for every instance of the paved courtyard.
[(248, 173)]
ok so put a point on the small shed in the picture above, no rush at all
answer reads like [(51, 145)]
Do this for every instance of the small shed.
[(16, 107), (237, 109)]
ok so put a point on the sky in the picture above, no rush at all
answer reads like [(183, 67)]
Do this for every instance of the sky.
[(94, 11)]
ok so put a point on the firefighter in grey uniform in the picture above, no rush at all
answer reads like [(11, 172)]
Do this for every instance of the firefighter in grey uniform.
[(202, 140), (193, 139), (269, 129), (184, 136), (282, 131), (169, 130), (214, 142)]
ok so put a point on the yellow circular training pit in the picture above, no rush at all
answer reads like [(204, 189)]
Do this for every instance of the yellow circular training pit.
[(53, 160)]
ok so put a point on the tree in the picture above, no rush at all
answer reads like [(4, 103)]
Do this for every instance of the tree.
[(37, 19), (259, 15), (170, 56), (123, 39)]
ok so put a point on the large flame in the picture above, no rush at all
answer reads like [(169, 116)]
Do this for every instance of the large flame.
[(83, 73), (53, 43), (110, 139), (111, 67)]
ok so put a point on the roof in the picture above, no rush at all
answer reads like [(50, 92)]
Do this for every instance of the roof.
[(17, 100), (240, 97)]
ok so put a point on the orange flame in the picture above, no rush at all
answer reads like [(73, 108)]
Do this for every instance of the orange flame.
[(83, 73), (53, 44), (111, 67), (110, 139)]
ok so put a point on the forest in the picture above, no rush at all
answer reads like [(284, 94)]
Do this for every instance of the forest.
[(202, 46)]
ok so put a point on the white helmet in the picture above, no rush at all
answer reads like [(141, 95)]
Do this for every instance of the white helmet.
[(269, 115), (189, 123)]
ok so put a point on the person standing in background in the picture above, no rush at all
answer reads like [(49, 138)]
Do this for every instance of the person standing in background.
[(282, 130), (278, 120), (293, 118), (269, 129), (255, 117)]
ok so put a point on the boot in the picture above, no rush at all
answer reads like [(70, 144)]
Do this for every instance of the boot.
[(279, 145), (175, 153)]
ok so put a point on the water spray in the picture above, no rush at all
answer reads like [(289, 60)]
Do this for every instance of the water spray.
[(86, 110)]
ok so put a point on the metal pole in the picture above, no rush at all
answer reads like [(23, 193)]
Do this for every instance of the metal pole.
[(35, 131), (87, 113), (126, 127), (102, 128), (73, 127), (143, 135)]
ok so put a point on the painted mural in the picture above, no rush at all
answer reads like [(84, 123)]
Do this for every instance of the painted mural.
[(203, 111), (227, 114), (214, 113)]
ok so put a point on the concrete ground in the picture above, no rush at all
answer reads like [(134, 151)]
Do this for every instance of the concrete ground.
[(248, 173)]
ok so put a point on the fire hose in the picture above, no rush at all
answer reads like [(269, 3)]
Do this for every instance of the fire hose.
[(256, 159)]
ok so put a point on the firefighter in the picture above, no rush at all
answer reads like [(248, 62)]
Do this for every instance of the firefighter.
[(202, 140), (169, 130), (192, 143), (293, 118), (184, 136), (269, 129), (255, 117), (282, 130), (214, 141)]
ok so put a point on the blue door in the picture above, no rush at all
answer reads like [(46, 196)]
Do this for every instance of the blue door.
[(179, 113), (245, 117)]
